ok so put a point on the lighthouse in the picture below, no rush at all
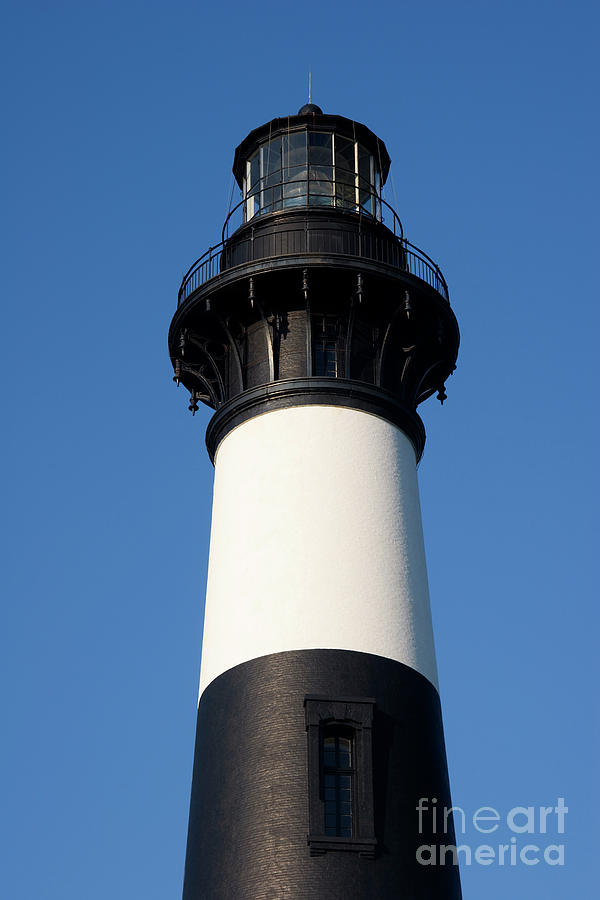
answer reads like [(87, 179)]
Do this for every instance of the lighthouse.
[(313, 329)]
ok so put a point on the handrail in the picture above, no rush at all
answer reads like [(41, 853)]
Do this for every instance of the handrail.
[(399, 252)]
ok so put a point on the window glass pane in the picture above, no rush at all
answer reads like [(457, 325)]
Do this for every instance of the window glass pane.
[(293, 149), (295, 174), (319, 360), (329, 752), (344, 753), (294, 194), (294, 152), (267, 200), (364, 168), (325, 362), (344, 160), (247, 179), (377, 194), (365, 180), (277, 197), (271, 153), (272, 180), (320, 194), (330, 360), (345, 829), (252, 186), (321, 180), (254, 171), (345, 174), (320, 185), (294, 191), (270, 167), (330, 328), (345, 195), (319, 149), (366, 202), (271, 195)]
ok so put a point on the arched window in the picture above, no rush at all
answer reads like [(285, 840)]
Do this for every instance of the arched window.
[(338, 781)]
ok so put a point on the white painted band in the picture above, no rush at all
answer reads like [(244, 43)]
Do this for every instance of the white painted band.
[(316, 542)]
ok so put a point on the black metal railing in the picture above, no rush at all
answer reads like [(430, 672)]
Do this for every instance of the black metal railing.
[(389, 248), (309, 193), (205, 268)]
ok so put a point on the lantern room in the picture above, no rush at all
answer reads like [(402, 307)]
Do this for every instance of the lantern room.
[(311, 159)]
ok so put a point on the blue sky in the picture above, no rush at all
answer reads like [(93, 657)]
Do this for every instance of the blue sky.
[(120, 124)]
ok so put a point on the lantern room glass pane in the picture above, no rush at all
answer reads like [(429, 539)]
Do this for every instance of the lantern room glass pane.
[(366, 202), (294, 157), (344, 161), (254, 172), (377, 194), (294, 154), (364, 168), (271, 199), (320, 185), (320, 169), (345, 173), (271, 157), (365, 180), (294, 192), (271, 176), (252, 186), (345, 195), (319, 149)]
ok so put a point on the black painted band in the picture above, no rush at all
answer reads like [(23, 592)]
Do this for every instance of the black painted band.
[(249, 828), (310, 391)]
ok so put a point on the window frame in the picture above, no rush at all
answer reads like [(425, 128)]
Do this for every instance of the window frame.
[(351, 716)]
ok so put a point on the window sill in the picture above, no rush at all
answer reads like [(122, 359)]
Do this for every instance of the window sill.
[(322, 843)]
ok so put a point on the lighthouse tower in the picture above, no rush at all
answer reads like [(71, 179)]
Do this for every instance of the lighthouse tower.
[(314, 329)]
